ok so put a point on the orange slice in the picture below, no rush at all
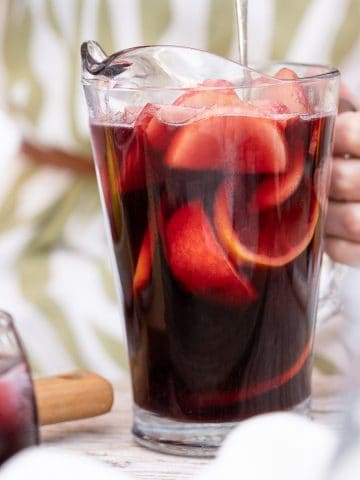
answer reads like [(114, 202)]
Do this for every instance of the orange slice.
[(227, 398), (275, 189), (272, 238)]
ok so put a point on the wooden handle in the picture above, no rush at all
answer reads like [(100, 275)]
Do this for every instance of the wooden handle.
[(72, 396)]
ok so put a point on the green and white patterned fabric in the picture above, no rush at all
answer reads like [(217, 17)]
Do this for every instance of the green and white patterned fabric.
[(55, 275)]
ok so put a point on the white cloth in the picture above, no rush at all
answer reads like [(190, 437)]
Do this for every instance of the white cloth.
[(42, 463), (277, 446)]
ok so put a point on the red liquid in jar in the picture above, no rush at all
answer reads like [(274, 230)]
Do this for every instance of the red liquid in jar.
[(18, 416)]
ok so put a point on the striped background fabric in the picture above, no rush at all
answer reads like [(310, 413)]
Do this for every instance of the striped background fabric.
[(54, 270)]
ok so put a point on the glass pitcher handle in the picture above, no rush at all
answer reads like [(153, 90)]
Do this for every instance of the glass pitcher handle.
[(330, 304)]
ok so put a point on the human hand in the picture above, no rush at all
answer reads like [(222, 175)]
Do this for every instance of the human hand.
[(342, 228)]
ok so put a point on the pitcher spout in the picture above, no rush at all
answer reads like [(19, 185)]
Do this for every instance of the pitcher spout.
[(95, 61)]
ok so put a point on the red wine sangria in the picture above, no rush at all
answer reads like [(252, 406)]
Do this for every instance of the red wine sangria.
[(215, 204)]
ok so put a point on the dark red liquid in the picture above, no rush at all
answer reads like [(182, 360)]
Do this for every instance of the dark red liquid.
[(18, 417), (201, 346)]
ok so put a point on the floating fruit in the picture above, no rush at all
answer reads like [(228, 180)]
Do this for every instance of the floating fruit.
[(137, 155), (165, 117), (233, 143), (289, 93), (275, 189), (219, 92), (286, 74), (198, 262), (272, 238), (143, 268), (161, 127), (132, 152), (132, 170), (292, 93)]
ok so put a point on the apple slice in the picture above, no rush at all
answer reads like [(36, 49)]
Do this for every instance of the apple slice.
[(289, 93), (272, 238), (275, 189), (233, 143), (198, 262), (286, 74), (160, 128), (219, 93), (143, 268)]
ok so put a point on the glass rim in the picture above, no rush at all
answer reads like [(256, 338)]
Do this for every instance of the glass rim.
[(326, 72), (329, 71), (7, 323), (6, 320)]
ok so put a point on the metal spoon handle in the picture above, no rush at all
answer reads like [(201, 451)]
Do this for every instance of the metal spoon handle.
[(241, 18)]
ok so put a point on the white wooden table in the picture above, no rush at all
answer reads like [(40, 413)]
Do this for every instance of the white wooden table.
[(108, 438)]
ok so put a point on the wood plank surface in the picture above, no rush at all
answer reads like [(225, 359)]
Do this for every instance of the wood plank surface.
[(108, 438)]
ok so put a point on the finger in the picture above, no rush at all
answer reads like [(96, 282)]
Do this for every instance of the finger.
[(342, 251), (346, 105), (347, 134), (347, 101), (345, 179), (343, 221)]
